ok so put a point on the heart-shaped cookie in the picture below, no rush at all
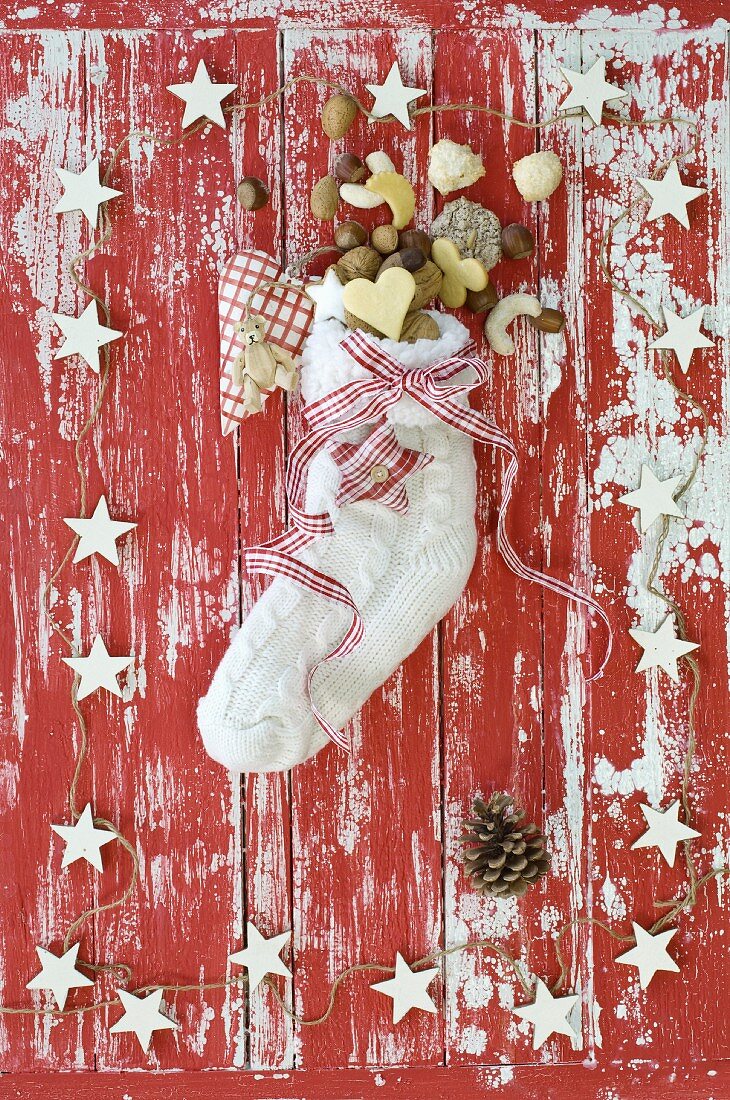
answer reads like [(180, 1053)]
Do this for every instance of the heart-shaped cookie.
[(382, 304), (459, 275)]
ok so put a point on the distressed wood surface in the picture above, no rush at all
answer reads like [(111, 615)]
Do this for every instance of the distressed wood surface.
[(358, 857)]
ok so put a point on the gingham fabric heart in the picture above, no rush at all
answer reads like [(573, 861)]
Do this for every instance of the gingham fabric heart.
[(288, 316)]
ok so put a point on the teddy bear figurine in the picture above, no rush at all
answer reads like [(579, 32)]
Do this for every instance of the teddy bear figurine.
[(261, 366)]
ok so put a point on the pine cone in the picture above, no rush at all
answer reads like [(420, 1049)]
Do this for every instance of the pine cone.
[(501, 856)]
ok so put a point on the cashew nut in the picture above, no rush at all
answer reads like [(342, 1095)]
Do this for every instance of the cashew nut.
[(379, 162), (356, 195), (505, 311)]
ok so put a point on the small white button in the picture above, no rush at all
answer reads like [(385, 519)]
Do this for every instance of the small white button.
[(379, 474)]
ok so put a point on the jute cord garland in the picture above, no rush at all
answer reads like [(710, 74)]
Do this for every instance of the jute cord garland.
[(696, 882)]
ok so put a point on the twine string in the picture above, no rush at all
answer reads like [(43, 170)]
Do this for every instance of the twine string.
[(696, 884)]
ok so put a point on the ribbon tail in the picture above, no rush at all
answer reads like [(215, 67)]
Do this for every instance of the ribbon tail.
[(475, 424), (277, 563), (526, 572)]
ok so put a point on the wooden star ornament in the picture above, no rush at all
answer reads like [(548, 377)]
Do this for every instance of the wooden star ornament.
[(665, 831), (653, 498), (59, 974), (84, 191), (83, 840), (261, 956), (98, 533), (650, 954), (99, 669), (662, 648), (143, 1016), (84, 336), (408, 988), (548, 1015), (590, 90), (683, 336), (392, 97), (202, 98), (670, 196)]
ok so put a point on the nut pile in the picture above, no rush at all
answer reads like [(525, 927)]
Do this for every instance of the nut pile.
[(450, 262)]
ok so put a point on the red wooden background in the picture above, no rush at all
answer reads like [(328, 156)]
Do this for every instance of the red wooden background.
[(358, 857)]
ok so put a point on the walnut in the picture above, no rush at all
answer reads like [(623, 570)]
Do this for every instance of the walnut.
[(428, 283), (359, 263), (475, 230)]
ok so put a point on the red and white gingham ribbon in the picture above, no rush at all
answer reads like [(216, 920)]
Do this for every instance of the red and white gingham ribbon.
[(355, 404)]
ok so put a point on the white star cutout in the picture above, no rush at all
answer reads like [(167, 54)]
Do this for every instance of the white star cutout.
[(59, 974), (665, 831), (392, 98), (98, 669), (653, 498), (548, 1014), (83, 191), (590, 90), (202, 97), (84, 336), (408, 988), (98, 534), (327, 297), (142, 1015), (670, 196), (261, 956), (83, 840), (683, 335), (662, 647), (650, 954)]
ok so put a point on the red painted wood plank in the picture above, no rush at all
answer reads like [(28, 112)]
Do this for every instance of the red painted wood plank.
[(492, 645), (42, 403), (557, 1081), (267, 825), (366, 843), (567, 660), (159, 14), (640, 729), (159, 448)]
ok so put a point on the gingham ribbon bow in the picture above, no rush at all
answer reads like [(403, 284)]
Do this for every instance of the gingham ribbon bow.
[(355, 404)]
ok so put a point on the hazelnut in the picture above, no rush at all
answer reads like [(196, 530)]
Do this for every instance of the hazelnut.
[(252, 193), (517, 241), (481, 301), (409, 258), (348, 168), (550, 320), (350, 235), (385, 239), (415, 238)]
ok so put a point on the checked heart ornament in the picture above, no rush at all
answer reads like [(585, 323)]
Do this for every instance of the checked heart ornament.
[(287, 313)]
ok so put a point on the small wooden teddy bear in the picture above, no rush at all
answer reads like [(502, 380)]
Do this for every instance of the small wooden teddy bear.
[(261, 366)]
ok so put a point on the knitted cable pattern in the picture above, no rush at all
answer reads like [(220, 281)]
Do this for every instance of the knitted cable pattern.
[(404, 573)]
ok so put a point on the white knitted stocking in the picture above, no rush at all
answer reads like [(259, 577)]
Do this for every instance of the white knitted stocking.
[(403, 571)]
